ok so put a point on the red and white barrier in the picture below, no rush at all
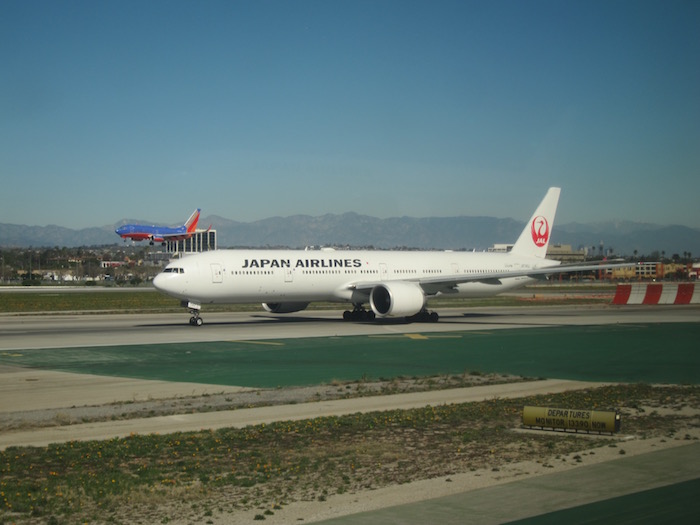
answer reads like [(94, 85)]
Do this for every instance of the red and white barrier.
[(657, 293)]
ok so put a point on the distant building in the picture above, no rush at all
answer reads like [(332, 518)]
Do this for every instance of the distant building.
[(652, 271), (558, 252), (694, 271), (112, 264), (201, 241), (564, 253), (500, 248)]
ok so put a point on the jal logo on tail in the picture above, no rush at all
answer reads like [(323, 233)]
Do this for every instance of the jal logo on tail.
[(540, 231)]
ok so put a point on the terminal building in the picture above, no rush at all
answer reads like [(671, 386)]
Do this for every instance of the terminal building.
[(201, 241)]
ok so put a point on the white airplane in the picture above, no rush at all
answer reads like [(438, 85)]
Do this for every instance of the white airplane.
[(392, 283)]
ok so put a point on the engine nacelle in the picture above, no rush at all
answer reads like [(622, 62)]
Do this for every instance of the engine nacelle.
[(284, 308), (396, 299)]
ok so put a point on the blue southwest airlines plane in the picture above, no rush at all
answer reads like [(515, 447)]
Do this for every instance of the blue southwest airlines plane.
[(392, 283), (141, 232)]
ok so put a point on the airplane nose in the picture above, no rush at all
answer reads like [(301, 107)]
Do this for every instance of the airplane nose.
[(170, 284), (163, 282), (158, 282)]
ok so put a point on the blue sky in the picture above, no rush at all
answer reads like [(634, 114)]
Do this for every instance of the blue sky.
[(252, 109)]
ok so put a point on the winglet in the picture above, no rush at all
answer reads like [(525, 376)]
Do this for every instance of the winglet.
[(534, 239)]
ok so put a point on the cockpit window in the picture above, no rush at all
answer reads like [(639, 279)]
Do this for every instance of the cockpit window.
[(174, 270)]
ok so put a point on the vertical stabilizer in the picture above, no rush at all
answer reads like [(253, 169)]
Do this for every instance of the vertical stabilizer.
[(191, 224), (534, 239)]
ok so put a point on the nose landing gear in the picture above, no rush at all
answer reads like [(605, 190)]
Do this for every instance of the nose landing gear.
[(194, 309)]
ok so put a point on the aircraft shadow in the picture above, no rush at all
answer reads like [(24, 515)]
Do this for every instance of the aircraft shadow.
[(466, 318), (453, 318)]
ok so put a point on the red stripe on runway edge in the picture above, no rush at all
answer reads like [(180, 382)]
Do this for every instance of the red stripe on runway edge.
[(653, 293), (622, 294), (684, 293)]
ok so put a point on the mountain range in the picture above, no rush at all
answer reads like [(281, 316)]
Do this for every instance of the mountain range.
[(351, 229)]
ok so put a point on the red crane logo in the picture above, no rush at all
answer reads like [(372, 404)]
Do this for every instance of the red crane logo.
[(540, 231)]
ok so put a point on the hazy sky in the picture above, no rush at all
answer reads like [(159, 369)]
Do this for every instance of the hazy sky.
[(251, 109)]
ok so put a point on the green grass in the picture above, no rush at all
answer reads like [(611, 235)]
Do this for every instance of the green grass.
[(106, 301)]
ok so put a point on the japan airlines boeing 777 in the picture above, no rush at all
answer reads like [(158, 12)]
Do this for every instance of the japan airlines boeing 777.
[(140, 232), (392, 283)]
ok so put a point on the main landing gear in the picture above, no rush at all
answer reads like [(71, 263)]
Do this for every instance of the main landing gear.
[(358, 314)]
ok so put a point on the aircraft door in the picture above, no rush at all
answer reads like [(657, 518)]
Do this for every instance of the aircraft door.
[(217, 274), (288, 275), (383, 272)]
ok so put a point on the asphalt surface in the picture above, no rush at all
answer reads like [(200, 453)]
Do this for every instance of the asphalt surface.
[(618, 353), (62, 331)]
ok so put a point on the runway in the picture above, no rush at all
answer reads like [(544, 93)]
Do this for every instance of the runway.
[(61, 331)]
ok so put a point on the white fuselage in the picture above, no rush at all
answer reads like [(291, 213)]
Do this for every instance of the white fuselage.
[(244, 276)]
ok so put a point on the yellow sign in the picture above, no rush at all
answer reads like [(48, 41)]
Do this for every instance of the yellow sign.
[(571, 419)]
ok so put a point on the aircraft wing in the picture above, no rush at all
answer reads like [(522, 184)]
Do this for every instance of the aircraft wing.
[(179, 236), (433, 285), (447, 284)]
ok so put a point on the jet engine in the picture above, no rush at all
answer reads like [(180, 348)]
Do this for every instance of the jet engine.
[(284, 308), (396, 299)]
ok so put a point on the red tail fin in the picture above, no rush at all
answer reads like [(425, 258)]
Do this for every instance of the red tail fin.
[(191, 223)]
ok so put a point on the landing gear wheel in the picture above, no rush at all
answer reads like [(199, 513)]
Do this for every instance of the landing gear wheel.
[(195, 320), (359, 314)]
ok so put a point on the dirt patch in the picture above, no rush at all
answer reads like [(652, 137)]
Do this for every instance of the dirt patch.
[(230, 400)]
